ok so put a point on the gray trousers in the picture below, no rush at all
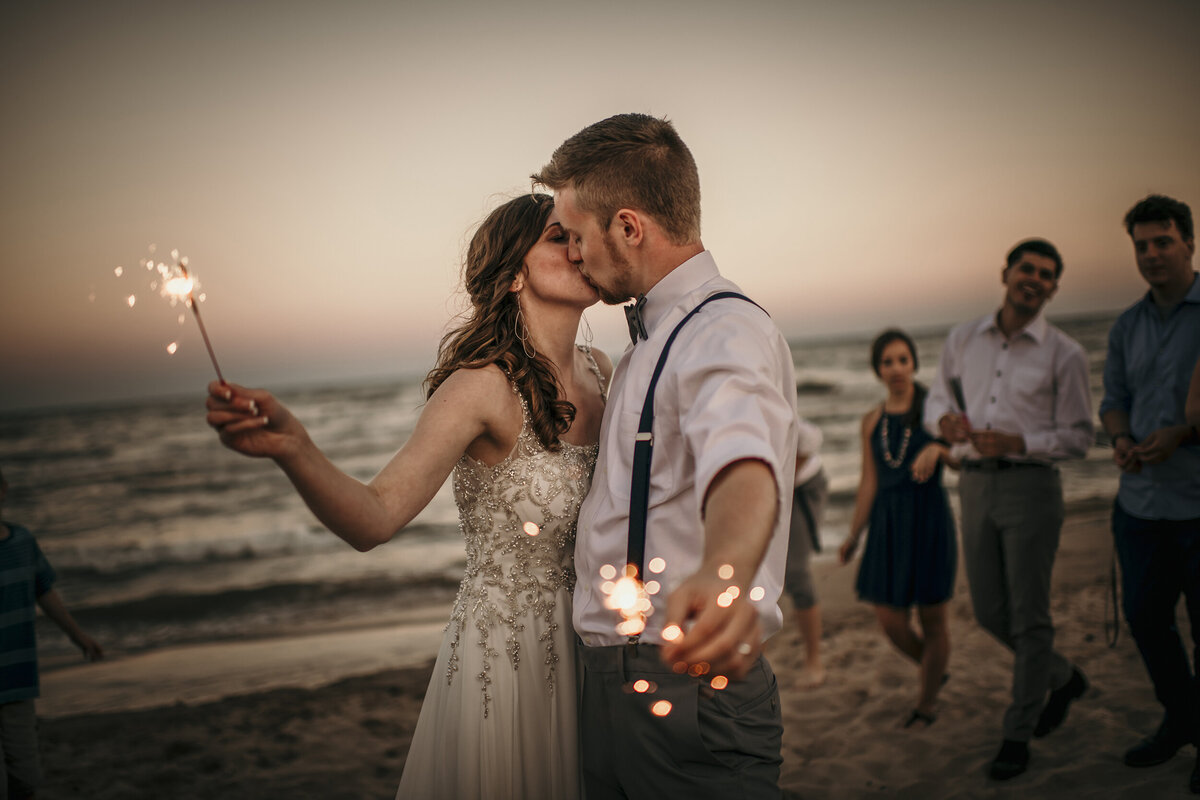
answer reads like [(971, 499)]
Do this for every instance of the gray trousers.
[(1011, 524), (709, 743)]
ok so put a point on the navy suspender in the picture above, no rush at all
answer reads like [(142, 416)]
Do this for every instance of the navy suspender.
[(643, 448)]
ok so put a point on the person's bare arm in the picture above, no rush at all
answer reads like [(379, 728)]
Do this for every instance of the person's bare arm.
[(52, 604), (462, 410), (739, 517), (868, 481)]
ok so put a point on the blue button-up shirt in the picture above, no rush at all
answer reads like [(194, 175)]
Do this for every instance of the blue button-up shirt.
[(1146, 375)]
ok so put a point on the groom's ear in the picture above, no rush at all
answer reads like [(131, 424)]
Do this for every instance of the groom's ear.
[(629, 226)]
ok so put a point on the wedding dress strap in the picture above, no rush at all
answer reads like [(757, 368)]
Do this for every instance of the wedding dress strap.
[(595, 368)]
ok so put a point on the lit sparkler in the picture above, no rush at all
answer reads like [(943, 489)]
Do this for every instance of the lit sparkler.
[(177, 285)]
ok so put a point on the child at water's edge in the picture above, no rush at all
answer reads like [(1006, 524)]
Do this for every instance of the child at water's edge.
[(26, 577)]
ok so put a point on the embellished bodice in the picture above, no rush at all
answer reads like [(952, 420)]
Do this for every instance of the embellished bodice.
[(518, 520)]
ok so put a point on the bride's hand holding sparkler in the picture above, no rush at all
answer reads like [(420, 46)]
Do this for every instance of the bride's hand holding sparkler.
[(252, 422)]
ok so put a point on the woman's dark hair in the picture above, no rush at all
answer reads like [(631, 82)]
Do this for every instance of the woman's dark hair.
[(917, 410), (489, 333)]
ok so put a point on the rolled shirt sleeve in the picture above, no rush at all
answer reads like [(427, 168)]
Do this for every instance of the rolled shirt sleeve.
[(733, 408)]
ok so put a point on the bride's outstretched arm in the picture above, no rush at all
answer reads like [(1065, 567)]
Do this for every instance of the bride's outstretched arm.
[(463, 409)]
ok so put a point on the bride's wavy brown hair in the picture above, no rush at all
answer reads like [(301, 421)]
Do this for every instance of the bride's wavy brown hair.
[(489, 331)]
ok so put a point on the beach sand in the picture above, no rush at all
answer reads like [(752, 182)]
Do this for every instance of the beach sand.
[(348, 738)]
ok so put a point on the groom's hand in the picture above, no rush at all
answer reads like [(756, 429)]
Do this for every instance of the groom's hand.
[(725, 635)]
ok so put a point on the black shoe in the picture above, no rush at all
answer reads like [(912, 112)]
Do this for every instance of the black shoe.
[(1156, 749), (1010, 762), (1194, 783), (1055, 710)]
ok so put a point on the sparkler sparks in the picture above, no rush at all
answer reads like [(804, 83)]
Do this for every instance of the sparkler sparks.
[(177, 285), (531, 529), (628, 597)]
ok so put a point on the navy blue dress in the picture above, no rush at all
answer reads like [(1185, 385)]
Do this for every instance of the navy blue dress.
[(911, 553)]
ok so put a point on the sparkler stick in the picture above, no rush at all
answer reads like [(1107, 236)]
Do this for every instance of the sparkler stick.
[(200, 323), (956, 387)]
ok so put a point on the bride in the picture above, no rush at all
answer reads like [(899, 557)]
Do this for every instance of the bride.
[(513, 411)]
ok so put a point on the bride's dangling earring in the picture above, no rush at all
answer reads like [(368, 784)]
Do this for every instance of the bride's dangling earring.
[(523, 332), (586, 330)]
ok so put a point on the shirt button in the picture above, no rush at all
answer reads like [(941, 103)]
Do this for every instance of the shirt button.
[(1004, 346), (997, 373), (993, 399)]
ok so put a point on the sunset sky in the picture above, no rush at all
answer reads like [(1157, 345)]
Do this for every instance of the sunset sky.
[(322, 164)]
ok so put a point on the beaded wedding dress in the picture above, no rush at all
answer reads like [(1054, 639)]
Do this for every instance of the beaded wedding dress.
[(499, 718)]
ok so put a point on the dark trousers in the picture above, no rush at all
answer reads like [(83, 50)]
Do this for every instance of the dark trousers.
[(1160, 559), (678, 737)]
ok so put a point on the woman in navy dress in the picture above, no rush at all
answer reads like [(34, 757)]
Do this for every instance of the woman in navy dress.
[(911, 553)]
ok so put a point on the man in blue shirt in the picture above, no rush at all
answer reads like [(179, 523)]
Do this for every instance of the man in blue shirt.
[(1152, 350)]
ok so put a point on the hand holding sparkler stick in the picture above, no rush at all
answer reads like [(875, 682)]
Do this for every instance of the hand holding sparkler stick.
[(955, 427)]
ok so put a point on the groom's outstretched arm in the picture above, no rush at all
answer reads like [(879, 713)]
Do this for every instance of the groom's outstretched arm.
[(740, 510)]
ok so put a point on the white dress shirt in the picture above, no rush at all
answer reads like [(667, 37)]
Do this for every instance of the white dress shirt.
[(727, 393), (808, 447), (1034, 384)]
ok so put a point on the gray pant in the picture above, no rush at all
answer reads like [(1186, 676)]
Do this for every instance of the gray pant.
[(1011, 524), (709, 743), (808, 508)]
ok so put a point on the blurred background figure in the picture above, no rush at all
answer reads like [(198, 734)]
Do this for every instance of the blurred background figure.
[(804, 538), (911, 554), (26, 578)]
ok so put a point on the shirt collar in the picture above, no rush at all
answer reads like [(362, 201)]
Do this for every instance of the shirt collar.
[(1192, 296), (1036, 329), (675, 286)]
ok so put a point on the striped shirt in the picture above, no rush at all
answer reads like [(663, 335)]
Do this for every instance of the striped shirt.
[(25, 575)]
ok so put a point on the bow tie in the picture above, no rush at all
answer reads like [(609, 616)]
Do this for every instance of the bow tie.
[(633, 316)]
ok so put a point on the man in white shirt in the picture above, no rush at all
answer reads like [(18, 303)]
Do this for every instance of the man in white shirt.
[(1025, 388), (677, 701)]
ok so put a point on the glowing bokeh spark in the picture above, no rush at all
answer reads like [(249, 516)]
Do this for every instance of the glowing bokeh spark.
[(671, 633), (119, 271), (724, 599), (623, 595), (656, 565), (733, 592), (661, 708), (179, 287), (757, 593), (531, 529), (172, 347), (652, 587), (131, 300), (725, 572), (608, 572), (719, 682), (641, 686)]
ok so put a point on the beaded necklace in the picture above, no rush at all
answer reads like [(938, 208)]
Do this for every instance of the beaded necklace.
[(894, 463)]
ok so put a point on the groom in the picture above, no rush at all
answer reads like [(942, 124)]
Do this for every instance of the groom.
[(689, 707)]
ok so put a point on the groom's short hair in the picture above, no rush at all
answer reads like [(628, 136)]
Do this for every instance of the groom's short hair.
[(630, 161)]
